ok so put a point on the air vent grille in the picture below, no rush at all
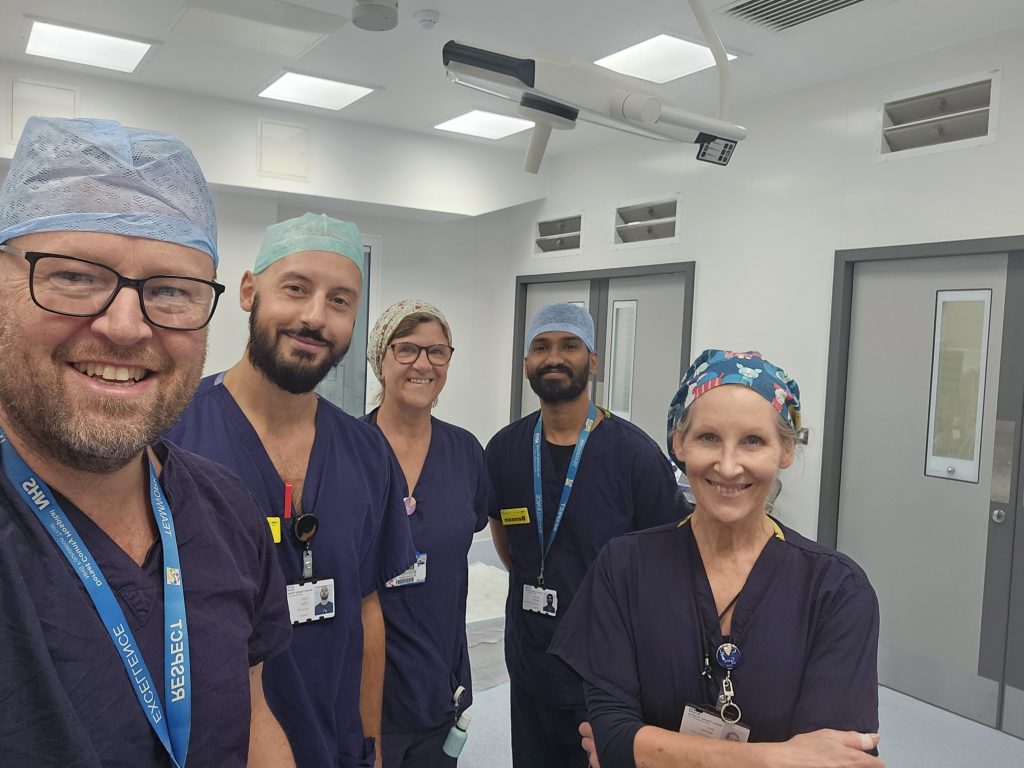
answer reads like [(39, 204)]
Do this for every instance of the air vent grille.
[(937, 117), (644, 222), (562, 234), (779, 15)]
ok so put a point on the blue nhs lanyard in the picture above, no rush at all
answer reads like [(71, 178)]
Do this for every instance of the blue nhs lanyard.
[(173, 728), (570, 476)]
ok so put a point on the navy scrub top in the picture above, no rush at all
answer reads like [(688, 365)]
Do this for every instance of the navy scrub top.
[(806, 624), (352, 485), (427, 657), (624, 483), (65, 698)]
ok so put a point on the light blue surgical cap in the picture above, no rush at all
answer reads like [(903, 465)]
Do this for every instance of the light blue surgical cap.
[(568, 318), (89, 175), (310, 232)]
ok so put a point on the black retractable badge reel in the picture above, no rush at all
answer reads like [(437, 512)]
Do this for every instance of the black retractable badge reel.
[(304, 528)]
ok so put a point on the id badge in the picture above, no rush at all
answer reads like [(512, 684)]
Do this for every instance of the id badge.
[(414, 574), (540, 600), (311, 601), (700, 721)]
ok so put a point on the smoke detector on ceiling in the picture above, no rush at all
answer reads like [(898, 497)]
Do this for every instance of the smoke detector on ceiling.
[(427, 19), (375, 15)]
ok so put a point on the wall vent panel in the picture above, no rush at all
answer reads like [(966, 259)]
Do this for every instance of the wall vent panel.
[(941, 116), (646, 222), (561, 234)]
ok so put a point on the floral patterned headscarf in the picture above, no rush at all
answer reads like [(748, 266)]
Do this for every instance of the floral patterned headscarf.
[(715, 367)]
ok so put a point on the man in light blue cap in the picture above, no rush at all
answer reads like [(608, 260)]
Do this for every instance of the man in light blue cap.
[(325, 479), (557, 506), (131, 569)]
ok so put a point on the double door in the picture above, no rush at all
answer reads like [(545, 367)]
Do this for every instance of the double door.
[(642, 334)]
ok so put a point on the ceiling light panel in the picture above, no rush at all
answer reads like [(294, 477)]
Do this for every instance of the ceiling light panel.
[(486, 125), (79, 46), (660, 59), (314, 91)]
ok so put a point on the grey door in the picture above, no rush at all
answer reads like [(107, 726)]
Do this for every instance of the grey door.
[(930, 414)]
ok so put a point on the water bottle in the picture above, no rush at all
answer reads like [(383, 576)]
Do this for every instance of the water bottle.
[(457, 736)]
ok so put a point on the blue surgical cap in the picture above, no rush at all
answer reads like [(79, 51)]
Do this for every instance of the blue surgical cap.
[(310, 232), (568, 318), (89, 175)]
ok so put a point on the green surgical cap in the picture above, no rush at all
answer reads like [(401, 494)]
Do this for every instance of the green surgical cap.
[(310, 232)]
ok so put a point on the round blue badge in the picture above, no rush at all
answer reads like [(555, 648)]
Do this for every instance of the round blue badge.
[(728, 656)]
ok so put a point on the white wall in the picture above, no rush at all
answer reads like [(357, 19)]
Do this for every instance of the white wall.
[(346, 160), (764, 230)]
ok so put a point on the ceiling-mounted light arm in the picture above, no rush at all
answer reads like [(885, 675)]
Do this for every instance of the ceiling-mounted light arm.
[(594, 94), (721, 59)]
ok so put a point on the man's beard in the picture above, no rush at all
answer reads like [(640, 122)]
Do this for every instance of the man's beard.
[(298, 373), (554, 391), (96, 434)]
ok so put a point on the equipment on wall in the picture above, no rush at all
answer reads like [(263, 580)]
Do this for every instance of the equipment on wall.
[(556, 93)]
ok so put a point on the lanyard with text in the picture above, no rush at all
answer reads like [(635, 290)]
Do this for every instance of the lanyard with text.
[(172, 729), (570, 475)]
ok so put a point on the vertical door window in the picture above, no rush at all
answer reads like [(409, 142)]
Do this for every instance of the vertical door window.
[(959, 360), (620, 375)]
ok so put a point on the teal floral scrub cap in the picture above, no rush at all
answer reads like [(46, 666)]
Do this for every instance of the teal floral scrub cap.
[(88, 175), (715, 367)]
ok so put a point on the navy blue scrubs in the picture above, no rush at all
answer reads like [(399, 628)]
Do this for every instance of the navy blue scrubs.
[(806, 624), (352, 485), (65, 698), (427, 657), (624, 483)]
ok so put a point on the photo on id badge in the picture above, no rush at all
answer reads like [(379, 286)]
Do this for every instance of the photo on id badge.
[(540, 600), (311, 600)]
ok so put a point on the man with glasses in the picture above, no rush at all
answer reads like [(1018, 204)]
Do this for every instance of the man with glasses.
[(325, 481), (140, 591), (558, 505)]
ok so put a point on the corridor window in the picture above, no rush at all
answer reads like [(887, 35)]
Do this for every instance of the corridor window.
[(959, 359)]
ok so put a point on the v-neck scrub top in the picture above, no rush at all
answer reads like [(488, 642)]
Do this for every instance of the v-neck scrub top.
[(427, 658), (624, 483), (65, 697), (806, 624), (353, 487)]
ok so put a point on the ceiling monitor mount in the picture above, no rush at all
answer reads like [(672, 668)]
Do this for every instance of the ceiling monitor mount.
[(555, 93)]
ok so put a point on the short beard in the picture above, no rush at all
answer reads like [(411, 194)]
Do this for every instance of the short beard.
[(297, 374), (553, 391), (38, 408)]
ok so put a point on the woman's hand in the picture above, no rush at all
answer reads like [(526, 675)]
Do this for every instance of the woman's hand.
[(826, 749), (588, 744)]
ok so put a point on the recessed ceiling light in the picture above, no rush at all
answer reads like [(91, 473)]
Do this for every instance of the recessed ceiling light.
[(81, 47), (314, 91), (660, 59), (486, 125)]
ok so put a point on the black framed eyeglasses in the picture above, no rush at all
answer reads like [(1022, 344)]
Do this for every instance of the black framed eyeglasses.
[(67, 285), (408, 353)]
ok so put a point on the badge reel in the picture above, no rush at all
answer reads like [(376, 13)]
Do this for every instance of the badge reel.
[(304, 528), (728, 657)]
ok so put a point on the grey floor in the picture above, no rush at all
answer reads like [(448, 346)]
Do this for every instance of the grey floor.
[(914, 734)]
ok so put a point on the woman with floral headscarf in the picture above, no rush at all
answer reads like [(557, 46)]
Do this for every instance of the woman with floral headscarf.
[(446, 497), (727, 639)]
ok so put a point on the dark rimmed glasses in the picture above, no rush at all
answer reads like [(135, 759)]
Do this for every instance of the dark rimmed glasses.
[(67, 285), (408, 353)]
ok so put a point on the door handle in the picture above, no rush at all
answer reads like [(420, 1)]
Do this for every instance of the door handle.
[(998, 516)]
